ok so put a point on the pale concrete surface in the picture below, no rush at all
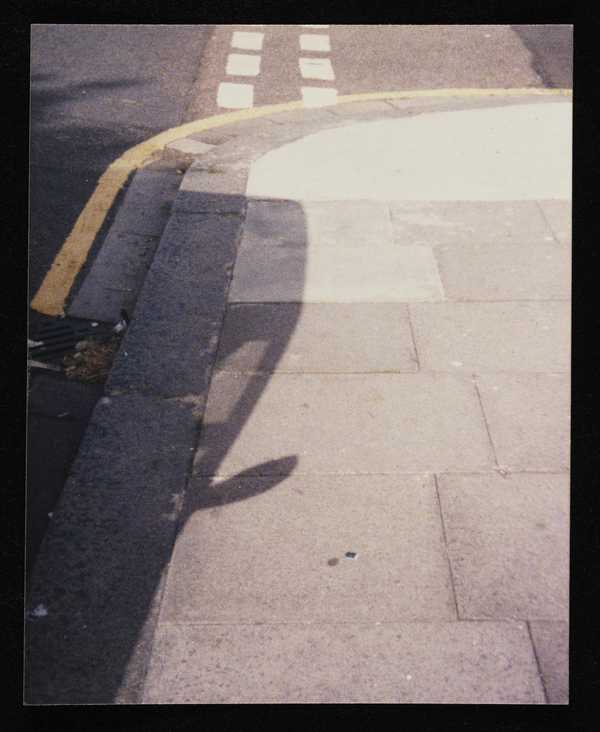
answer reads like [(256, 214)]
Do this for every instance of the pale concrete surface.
[(336, 273), (225, 572), (559, 215), (349, 223), (324, 337), (478, 337), (430, 663), (344, 423), (528, 416), (551, 641), (508, 539), (505, 272), (335, 223), (469, 222), (504, 153)]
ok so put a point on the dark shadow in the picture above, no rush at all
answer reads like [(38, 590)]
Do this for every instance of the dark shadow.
[(103, 564), (551, 48), (95, 91), (242, 486)]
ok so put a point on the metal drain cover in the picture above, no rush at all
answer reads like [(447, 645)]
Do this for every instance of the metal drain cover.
[(58, 337)]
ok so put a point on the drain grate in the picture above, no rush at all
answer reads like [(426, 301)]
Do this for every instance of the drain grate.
[(54, 338)]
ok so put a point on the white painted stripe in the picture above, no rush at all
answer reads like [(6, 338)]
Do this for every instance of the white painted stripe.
[(235, 96), (317, 68), (313, 96), (315, 26), (314, 42), (242, 64), (249, 41)]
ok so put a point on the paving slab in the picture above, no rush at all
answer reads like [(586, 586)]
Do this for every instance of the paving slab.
[(528, 416), (508, 540), (118, 270), (352, 223), (428, 663), (325, 337), (368, 110), (195, 258), (259, 550), (169, 350), (211, 188), (419, 105), (315, 117), (276, 223), (189, 146), (115, 278), (358, 223), (458, 223), (551, 642), (336, 273), (505, 272), (558, 214), (253, 138), (99, 568), (477, 337), (147, 203), (121, 260), (343, 423), (170, 346)]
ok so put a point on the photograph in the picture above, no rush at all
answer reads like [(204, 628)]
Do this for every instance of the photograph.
[(298, 365)]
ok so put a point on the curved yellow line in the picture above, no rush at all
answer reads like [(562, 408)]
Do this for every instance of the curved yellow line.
[(55, 288)]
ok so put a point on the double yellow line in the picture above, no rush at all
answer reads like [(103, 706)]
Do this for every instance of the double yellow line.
[(51, 297)]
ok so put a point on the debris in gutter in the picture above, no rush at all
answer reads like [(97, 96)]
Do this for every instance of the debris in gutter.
[(83, 350), (91, 363), (41, 365), (123, 323)]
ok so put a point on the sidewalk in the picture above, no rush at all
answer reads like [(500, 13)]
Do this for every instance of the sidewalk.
[(332, 459)]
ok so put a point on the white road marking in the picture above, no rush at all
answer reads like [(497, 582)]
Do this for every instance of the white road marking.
[(313, 96), (317, 68), (315, 26), (314, 42), (249, 41), (242, 64), (235, 96)]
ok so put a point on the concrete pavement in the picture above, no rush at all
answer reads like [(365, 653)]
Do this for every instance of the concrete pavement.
[(332, 460)]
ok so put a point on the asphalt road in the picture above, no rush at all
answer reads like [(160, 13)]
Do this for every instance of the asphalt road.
[(367, 58), (97, 90)]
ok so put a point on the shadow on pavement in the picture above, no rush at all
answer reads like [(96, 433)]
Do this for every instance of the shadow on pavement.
[(100, 573), (551, 47)]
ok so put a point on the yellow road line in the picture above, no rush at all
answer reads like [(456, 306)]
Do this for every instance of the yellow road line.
[(54, 290)]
